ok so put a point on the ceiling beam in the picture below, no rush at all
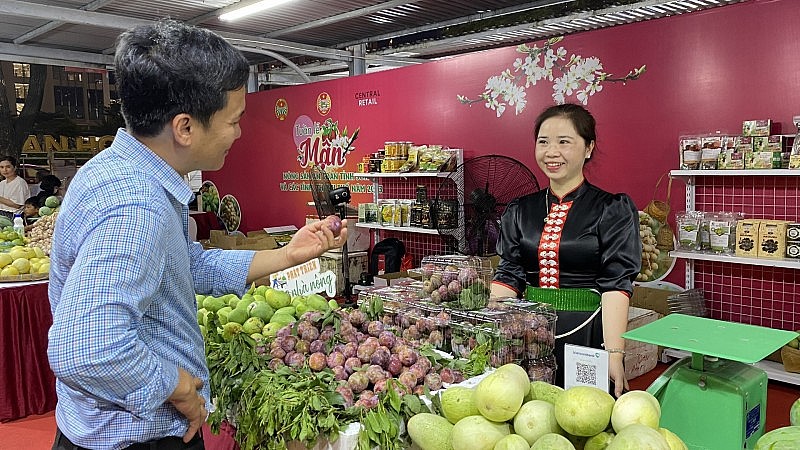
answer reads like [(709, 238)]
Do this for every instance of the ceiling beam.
[(36, 55), (340, 17), (460, 20), (50, 26), (69, 15)]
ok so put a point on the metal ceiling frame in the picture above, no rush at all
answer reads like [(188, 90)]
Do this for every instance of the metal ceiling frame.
[(349, 54)]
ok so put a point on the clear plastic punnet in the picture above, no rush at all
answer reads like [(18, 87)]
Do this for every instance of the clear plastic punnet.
[(459, 282), (421, 324), (538, 323), (500, 331)]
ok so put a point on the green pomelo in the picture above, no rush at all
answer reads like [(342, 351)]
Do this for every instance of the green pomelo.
[(317, 302), (675, 443), (253, 325), (430, 432), (638, 437), (785, 438), (499, 396), (277, 299), (599, 441), (52, 202), (519, 374), (535, 419), (238, 315), (584, 410), (635, 407), (458, 402), (213, 304), (478, 433), (222, 314), (542, 390), (794, 413), (282, 319), (287, 310), (512, 442), (552, 441), (261, 310), (270, 330)]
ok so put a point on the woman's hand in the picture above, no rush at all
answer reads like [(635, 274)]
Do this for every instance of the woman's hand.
[(616, 372)]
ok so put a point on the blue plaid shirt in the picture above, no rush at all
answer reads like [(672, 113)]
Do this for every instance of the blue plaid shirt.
[(122, 282)]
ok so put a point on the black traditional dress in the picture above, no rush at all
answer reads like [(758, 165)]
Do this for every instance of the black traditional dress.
[(587, 239)]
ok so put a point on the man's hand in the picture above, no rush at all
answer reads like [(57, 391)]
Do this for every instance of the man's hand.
[(313, 240), (187, 400)]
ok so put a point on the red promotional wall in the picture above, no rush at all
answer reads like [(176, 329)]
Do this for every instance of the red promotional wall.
[(704, 72)]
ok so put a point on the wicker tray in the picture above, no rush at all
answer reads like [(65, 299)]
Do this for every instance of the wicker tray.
[(25, 277)]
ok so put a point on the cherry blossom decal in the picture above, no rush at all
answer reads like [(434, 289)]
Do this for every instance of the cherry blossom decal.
[(574, 76)]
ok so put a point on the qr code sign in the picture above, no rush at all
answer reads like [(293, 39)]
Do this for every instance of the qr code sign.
[(586, 374)]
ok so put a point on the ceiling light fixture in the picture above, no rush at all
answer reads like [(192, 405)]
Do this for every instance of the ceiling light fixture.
[(249, 8)]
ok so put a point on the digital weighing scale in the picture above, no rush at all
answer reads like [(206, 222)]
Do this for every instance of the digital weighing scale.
[(714, 399)]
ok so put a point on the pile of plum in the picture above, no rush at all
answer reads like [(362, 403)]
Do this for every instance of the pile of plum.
[(363, 355)]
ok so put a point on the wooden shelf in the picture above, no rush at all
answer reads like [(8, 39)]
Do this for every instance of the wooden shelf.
[(402, 175), (774, 370), (374, 226), (782, 262), (738, 172)]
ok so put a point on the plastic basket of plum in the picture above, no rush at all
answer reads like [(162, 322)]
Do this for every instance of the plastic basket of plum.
[(461, 282), (514, 334)]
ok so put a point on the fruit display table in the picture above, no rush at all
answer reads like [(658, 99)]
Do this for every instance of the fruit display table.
[(27, 385)]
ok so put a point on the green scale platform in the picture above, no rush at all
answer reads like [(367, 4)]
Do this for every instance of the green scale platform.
[(714, 399)]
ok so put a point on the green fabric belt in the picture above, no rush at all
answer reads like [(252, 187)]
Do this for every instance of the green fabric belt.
[(568, 299)]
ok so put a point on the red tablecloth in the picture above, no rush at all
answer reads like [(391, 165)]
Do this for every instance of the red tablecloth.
[(27, 385), (222, 441)]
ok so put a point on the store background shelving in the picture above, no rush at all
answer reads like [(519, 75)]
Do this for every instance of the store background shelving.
[(759, 292), (419, 242)]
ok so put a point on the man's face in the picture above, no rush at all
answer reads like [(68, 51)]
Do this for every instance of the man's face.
[(211, 144), (6, 169)]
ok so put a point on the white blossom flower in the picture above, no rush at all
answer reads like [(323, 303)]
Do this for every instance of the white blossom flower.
[(578, 76)]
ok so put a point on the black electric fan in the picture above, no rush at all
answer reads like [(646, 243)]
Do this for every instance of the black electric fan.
[(469, 202), (329, 201)]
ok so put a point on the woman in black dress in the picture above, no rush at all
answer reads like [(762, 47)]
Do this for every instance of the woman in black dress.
[(573, 235)]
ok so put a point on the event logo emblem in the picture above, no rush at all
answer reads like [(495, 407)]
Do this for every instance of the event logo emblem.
[(322, 144), (281, 109), (323, 103)]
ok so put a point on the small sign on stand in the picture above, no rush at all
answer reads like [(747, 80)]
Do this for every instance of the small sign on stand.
[(585, 366), (304, 279)]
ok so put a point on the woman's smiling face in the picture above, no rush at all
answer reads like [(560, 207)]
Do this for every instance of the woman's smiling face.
[(561, 152)]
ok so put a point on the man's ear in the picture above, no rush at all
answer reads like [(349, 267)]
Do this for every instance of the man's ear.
[(182, 127)]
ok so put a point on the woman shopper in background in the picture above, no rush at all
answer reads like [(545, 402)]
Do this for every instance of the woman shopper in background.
[(49, 186), (13, 189), (572, 235)]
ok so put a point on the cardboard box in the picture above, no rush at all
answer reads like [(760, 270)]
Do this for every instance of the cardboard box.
[(640, 357), (357, 262), (747, 238), (390, 279), (651, 298), (238, 241), (640, 361), (772, 239)]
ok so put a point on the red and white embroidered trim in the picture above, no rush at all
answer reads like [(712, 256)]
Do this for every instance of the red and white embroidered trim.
[(550, 243)]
